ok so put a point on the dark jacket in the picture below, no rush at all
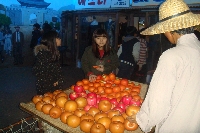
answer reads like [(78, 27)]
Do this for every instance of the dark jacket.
[(35, 36), (127, 49), (111, 62), (21, 38), (46, 71)]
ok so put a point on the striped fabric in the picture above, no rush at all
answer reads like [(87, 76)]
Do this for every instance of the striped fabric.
[(143, 52)]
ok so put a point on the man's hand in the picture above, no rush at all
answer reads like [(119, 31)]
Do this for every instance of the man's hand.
[(100, 68)]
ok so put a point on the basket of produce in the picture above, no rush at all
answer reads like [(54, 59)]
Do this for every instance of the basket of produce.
[(100, 106)]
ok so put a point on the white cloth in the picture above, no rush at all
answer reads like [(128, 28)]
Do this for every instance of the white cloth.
[(172, 103), (17, 37), (8, 43)]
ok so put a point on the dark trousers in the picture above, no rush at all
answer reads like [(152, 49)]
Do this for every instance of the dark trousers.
[(125, 70), (1, 53), (17, 53)]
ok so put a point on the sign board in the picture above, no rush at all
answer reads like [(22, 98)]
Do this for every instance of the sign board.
[(120, 3), (92, 4), (158, 2), (80, 4)]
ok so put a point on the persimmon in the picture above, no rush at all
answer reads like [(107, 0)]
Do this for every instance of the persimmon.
[(124, 82), (136, 97), (79, 83), (110, 96), (117, 81), (112, 76), (90, 84), (85, 81), (116, 89), (118, 94), (108, 90), (122, 87), (96, 84), (129, 87), (107, 85), (127, 90), (137, 85), (97, 80), (91, 88), (72, 87), (105, 77), (100, 89), (85, 87), (95, 90), (102, 83), (136, 89), (104, 95), (133, 93), (124, 93), (131, 83)]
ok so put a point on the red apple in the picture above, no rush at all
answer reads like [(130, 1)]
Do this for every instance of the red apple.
[(126, 100), (78, 88), (73, 95)]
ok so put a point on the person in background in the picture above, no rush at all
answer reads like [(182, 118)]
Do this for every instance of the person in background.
[(173, 97), (110, 28), (8, 42), (36, 34), (45, 28), (47, 69), (18, 43), (128, 53), (1, 46), (143, 51), (99, 58)]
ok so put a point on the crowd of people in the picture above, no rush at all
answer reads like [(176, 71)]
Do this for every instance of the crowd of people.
[(11, 44)]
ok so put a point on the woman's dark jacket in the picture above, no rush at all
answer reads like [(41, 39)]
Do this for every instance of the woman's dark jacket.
[(111, 62), (46, 71)]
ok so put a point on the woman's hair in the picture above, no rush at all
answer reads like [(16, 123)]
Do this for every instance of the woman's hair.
[(184, 31), (100, 33), (49, 40)]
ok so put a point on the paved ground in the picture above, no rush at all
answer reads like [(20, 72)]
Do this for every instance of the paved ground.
[(17, 84)]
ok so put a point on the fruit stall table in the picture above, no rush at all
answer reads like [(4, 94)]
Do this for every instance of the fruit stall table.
[(58, 125)]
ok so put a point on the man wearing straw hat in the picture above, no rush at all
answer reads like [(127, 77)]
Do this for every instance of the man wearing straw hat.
[(172, 103)]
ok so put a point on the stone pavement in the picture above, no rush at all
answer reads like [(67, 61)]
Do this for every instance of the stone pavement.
[(17, 84)]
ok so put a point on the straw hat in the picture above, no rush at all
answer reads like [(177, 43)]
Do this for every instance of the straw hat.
[(173, 15)]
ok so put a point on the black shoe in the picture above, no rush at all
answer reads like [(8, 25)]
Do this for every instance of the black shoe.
[(15, 63)]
